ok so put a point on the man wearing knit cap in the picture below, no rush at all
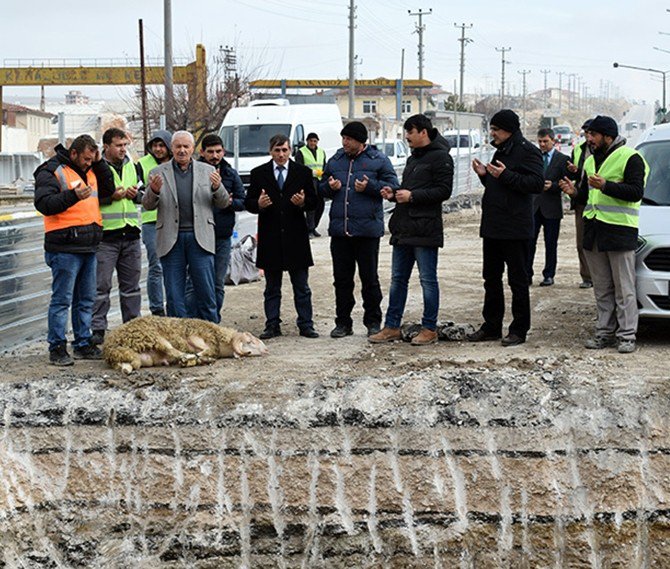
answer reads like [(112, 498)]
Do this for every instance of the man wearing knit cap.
[(514, 174), (354, 179), (616, 176)]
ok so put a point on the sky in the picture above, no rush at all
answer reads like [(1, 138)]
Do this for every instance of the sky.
[(309, 39)]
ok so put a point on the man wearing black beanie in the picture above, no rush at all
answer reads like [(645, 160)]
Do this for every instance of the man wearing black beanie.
[(513, 175), (616, 175)]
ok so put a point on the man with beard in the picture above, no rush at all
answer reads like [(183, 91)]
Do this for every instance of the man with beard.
[(510, 179), (157, 152), (616, 176)]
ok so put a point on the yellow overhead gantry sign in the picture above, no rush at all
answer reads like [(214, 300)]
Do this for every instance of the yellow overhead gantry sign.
[(194, 75), (380, 83)]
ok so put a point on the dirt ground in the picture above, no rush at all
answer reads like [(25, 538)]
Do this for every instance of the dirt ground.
[(563, 317)]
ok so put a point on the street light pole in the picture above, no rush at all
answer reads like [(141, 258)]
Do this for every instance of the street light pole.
[(650, 70)]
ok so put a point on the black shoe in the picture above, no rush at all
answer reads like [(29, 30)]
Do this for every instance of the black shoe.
[(59, 356), (87, 352), (586, 284), (482, 335), (270, 333), (374, 329), (309, 333), (159, 312), (98, 337), (341, 331), (548, 281), (512, 340)]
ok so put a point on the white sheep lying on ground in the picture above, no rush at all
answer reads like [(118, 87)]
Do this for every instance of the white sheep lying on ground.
[(159, 341)]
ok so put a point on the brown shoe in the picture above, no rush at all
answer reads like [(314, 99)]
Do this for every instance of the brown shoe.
[(385, 335), (424, 337)]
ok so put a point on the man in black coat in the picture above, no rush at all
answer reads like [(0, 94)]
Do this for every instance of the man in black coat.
[(548, 206), (280, 192), (416, 228), (510, 179)]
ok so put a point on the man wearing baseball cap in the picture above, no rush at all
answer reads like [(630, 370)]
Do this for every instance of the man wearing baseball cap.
[(616, 176)]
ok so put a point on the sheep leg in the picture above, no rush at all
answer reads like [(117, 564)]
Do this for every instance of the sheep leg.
[(172, 354), (205, 353)]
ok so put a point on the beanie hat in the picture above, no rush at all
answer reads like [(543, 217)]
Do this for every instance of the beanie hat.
[(312, 135), (355, 130), (587, 124), (604, 125), (507, 120)]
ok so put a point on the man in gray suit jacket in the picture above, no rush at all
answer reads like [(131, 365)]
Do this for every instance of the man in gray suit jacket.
[(183, 190)]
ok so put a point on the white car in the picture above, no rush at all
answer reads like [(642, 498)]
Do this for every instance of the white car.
[(652, 263), (463, 141), (564, 134), (397, 151)]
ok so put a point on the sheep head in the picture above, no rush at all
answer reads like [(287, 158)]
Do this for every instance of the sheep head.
[(246, 344)]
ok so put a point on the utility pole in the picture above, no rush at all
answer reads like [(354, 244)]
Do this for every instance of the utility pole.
[(571, 86), (524, 72), (502, 81), (419, 30), (560, 89), (352, 59), (143, 87), (169, 87), (463, 41), (545, 72)]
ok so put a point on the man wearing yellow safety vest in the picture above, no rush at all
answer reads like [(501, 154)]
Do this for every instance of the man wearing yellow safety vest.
[(315, 158), (616, 176), (157, 152), (120, 246), (67, 187)]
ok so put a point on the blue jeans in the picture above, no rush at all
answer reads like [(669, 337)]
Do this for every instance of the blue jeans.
[(221, 262), (404, 257), (155, 274), (73, 285), (188, 256)]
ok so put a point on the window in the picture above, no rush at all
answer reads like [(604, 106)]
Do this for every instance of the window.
[(369, 107), (406, 107)]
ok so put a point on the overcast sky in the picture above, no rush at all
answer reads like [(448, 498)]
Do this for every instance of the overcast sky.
[(309, 38)]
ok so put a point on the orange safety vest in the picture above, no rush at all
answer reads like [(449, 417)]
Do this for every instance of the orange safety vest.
[(84, 212)]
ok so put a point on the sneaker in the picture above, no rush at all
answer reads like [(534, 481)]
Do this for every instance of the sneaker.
[(626, 346), (341, 331), (87, 352), (424, 337), (386, 335), (373, 329), (59, 356), (98, 337), (600, 342)]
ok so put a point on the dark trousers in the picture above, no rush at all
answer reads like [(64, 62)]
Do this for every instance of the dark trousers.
[(514, 254), (551, 229), (313, 217), (347, 253), (302, 297)]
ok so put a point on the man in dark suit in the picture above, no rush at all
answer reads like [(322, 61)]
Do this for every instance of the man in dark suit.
[(548, 206), (280, 192)]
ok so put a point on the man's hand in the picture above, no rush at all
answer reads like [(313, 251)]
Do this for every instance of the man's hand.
[(119, 194), (479, 167), (597, 182), (547, 185), (403, 196), (386, 192), (571, 167), (495, 169), (131, 192), (264, 200), (567, 186), (156, 183), (298, 198), (360, 185), (83, 192), (215, 179), (334, 184)]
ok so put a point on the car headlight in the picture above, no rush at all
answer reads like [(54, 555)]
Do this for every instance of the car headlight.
[(641, 242)]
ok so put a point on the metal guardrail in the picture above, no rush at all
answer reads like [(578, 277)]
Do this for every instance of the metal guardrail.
[(18, 166), (25, 279)]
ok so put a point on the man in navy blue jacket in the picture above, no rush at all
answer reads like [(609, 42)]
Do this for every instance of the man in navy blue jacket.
[(212, 152), (353, 179)]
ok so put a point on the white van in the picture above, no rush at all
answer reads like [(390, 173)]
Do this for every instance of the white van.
[(263, 118)]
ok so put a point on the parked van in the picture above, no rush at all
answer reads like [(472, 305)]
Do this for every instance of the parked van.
[(258, 122), (463, 141)]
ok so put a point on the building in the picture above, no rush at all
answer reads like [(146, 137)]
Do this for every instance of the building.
[(76, 98), (23, 127)]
